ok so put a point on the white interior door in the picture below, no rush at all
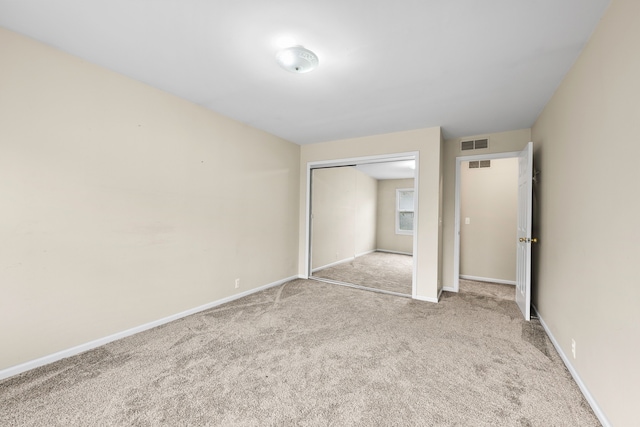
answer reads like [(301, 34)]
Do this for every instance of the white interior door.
[(523, 264)]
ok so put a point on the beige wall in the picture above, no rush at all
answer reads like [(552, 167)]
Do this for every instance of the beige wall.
[(344, 215), (489, 199), (500, 142), (586, 147), (366, 213), (122, 204), (387, 239), (428, 143)]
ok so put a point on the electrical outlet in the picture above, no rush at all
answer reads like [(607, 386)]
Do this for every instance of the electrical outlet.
[(237, 283), (573, 347)]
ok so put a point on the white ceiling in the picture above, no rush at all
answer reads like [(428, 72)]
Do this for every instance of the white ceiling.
[(470, 66)]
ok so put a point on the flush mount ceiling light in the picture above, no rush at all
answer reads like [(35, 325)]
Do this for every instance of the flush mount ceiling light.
[(297, 59)]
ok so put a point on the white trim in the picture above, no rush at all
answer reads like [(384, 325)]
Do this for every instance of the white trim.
[(365, 253), (393, 252), (487, 279), (342, 261), (429, 299), (416, 224), (583, 388), (456, 222), (23, 367), (393, 157), (449, 289), (307, 224), (411, 155)]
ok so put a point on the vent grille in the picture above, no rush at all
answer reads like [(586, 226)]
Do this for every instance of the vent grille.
[(476, 144), (481, 143), (466, 145), (475, 164)]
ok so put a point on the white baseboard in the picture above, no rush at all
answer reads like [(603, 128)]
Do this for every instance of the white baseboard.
[(342, 261), (583, 388), (23, 367), (393, 252), (486, 279), (449, 289), (428, 299), (365, 253)]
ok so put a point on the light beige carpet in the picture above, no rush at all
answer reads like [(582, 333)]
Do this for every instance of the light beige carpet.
[(309, 353), (495, 290), (377, 270)]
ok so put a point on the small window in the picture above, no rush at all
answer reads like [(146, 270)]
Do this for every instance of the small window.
[(404, 211)]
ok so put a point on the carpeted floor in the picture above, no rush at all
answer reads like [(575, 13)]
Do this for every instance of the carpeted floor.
[(310, 353), (495, 290), (377, 270)]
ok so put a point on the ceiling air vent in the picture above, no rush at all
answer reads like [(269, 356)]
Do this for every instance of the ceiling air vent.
[(466, 145), (481, 143), (474, 144), (475, 164)]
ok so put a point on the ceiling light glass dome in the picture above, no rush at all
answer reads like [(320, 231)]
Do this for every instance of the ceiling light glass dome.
[(297, 59)]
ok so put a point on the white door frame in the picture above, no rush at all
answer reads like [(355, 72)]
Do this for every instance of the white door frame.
[(456, 240), (411, 155)]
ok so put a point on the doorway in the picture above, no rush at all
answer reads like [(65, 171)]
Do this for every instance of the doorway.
[(475, 226), (523, 239), (351, 235)]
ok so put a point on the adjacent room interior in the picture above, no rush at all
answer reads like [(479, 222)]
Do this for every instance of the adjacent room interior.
[(488, 214)]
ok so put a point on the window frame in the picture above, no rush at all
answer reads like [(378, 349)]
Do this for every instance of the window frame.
[(399, 211)]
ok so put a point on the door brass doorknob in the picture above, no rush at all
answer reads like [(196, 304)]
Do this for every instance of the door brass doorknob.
[(528, 240)]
